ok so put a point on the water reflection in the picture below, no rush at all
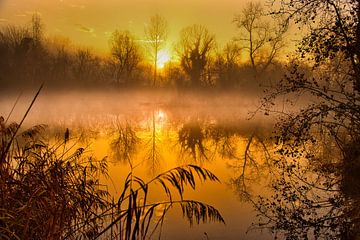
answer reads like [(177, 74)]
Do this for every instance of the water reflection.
[(192, 140), (305, 198), (153, 140), (254, 166), (191, 137), (314, 195), (157, 138), (124, 141)]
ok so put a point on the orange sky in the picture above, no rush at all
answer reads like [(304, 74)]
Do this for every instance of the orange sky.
[(90, 22)]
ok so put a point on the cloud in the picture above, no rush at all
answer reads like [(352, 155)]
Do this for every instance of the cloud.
[(107, 33), (76, 6), (71, 5), (84, 29), (20, 15), (33, 12)]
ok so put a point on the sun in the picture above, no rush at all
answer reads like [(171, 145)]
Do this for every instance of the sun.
[(162, 58)]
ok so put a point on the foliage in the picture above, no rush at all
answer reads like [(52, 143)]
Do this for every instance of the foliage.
[(31, 57), (334, 30), (134, 211), (41, 181), (317, 141), (48, 193)]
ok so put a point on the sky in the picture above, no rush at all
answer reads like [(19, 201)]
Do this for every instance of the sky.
[(91, 22)]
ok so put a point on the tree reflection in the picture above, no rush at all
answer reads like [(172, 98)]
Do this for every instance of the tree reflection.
[(253, 165), (224, 139), (153, 145), (125, 141), (312, 197), (191, 138)]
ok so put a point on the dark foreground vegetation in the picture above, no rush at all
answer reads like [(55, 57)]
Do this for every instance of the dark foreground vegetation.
[(316, 160), (316, 191)]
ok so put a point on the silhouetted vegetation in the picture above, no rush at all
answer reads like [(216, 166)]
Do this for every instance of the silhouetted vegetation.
[(314, 196), (52, 190), (261, 36), (33, 57), (156, 34)]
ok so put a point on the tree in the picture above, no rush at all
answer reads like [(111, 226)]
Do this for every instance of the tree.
[(126, 53), (318, 146), (227, 63), (260, 37), (12, 36), (62, 59), (156, 33), (38, 56), (37, 28), (13, 50), (194, 48), (86, 65), (335, 30)]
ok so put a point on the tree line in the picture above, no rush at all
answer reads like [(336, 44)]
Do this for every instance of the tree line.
[(29, 57)]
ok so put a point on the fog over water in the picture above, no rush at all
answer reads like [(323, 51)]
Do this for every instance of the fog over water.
[(164, 116), (75, 106)]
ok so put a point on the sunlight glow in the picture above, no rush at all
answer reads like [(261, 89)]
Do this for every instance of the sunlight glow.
[(161, 119), (162, 58), (157, 118)]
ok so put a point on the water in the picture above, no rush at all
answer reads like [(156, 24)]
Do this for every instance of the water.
[(156, 131)]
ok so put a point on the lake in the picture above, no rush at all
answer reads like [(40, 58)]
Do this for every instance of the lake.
[(154, 131)]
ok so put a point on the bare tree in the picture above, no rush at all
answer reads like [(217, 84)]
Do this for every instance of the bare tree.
[(227, 63), (194, 50), (126, 53), (11, 37), (156, 34), (260, 35), (86, 65), (61, 58), (318, 144), (14, 47), (37, 28)]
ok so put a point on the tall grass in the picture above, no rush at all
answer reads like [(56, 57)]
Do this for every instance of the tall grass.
[(48, 193)]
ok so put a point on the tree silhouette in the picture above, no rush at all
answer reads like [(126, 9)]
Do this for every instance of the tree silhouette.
[(194, 48), (156, 34), (261, 38), (85, 65), (227, 64), (37, 28), (126, 53), (318, 144), (335, 30), (61, 59)]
